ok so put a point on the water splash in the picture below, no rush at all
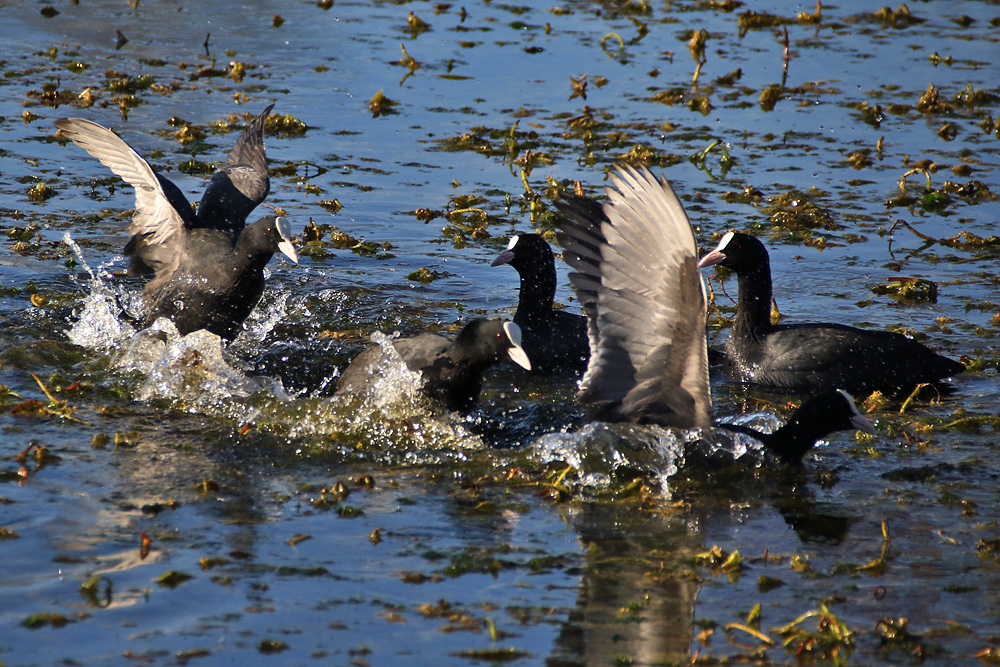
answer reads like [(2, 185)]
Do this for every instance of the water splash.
[(390, 414), (192, 371), (390, 418), (263, 320), (600, 452), (99, 323), (189, 370), (395, 383)]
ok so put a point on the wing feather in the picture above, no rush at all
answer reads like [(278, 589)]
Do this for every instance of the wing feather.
[(249, 148), (240, 184), (635, 270), (161, 211)]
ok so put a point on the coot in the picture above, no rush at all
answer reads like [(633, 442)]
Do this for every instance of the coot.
[(555, 340), (452, 370), (636, 273), (812, 357), (219, 278), (208, 268), (817, 417)]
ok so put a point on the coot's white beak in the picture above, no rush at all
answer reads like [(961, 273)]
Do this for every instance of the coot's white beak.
[(863, 424), (285, 244), (717, 255), (508, 254), (857, 420), (516, 353)]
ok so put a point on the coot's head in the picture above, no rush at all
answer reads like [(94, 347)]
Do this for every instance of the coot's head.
[(737, 251), (815, 419), (524, 250), (490, 339), (832, 411), (269, 235)]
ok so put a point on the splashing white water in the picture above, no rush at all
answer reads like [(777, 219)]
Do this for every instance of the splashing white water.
[(390, 412), (262, 321), (192, 370), (395, 383), (197, 374), (99, 323), (599, 452)]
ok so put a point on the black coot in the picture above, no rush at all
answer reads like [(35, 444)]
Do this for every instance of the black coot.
[(452, 370), (636, 273), (208, 268), (812, 357), (817, 417), (555, 340), (217, 283)]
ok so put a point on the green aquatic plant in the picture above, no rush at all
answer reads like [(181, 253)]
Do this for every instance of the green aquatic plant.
[(270, 646), (49, 619), (908, 290), (901, 17), (423, 275), (831, 641), (798, 212), (173, 578)]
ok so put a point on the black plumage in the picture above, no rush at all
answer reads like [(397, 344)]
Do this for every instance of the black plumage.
[(451, 369), (555, 340), (812, 357), (208, 268), (817, 417)]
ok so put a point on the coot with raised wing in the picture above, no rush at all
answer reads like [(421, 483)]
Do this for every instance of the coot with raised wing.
[(208, 268), (636, 273)]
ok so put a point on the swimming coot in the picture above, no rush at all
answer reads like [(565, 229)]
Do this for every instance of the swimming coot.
[(812, 357), (636, 273), (817, 417), (555, 340), (452, 370), (208, 268)]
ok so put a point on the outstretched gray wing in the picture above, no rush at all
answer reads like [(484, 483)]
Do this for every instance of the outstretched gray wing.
[(581, 236), (635, 270), (161, 210)]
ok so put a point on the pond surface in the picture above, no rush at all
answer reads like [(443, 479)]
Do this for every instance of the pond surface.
[(184, 503)]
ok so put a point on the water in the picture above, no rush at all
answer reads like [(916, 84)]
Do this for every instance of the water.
[(372, 529)]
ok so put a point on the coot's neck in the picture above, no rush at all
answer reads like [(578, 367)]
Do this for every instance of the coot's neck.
[(753, 309), (249, 251), (464, 377), (790, 443), (793, 441), (538, 289)]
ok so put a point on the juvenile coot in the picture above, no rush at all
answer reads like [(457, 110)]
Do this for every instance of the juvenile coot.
[(555, 340), (452, 370), (812, 357), (637, 277), (208, 268)]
